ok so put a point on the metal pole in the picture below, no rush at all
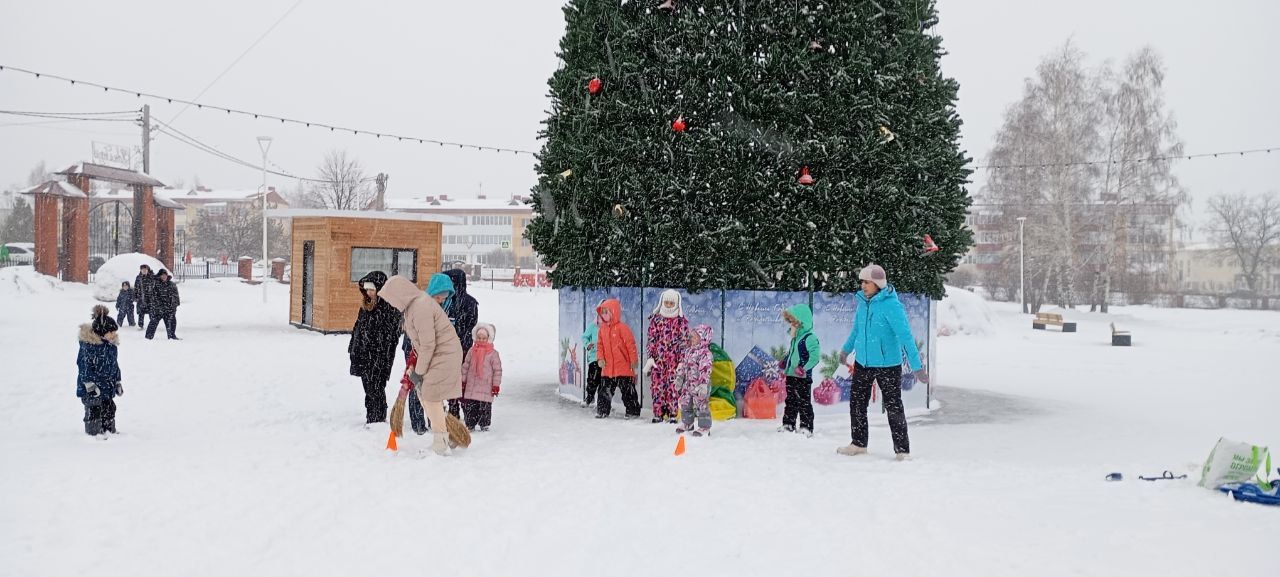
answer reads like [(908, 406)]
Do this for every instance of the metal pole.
[(264, 143), (1022, 263), (146, 138)]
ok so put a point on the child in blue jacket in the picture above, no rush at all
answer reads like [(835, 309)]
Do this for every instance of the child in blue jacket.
[(124, 305), (98, 381)]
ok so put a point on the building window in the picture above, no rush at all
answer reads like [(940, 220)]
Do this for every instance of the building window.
[(392, 261), (989, 237)]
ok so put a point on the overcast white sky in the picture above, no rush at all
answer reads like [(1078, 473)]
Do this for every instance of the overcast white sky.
[(476, 70)]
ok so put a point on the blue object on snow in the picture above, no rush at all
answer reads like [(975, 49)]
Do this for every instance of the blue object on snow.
[(1115, 477), (1252, 493)]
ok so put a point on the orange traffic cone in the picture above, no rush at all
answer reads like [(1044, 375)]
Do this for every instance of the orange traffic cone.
[(391, 442), (680, 446)]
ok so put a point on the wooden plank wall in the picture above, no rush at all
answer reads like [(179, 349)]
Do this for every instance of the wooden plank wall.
[(307, 229), (337, 297)]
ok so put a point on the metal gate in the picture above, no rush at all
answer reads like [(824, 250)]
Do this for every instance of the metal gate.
[(110, 232)]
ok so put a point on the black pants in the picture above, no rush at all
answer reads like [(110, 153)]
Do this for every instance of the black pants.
[(455, 408), (99, 415), (122, 314), (890, 381), (799, 401), (143, 312), (170, 324), (479, 413), (630, 398), (375, 399), (592, 384)]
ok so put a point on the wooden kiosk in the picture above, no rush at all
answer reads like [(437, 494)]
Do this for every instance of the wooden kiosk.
[(333, 249)]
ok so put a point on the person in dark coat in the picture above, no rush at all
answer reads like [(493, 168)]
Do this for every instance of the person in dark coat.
[(98, 376), (464, 313), (124, 305), (373, 345), (144, 286), (164, 305)]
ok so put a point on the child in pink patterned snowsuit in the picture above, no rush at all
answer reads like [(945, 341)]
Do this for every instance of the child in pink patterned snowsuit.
[(667, 331), (693, 377)]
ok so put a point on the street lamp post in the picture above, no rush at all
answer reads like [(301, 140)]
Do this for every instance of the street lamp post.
[(1022, 263), (264, 143)]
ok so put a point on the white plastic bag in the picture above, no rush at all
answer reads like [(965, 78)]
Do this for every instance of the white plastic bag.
[(1232, 462)]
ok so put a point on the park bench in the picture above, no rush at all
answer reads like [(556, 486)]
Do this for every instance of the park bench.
[(1044, 320), (1120, 338)]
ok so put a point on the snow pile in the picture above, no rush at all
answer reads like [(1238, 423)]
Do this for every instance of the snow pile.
[(21, 280), (121, 268), (963, 313)]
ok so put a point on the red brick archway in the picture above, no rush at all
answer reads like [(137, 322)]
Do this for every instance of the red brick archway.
[(62, 220)]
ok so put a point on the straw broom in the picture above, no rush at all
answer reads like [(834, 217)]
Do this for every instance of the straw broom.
[(397, 411), (459, 436)]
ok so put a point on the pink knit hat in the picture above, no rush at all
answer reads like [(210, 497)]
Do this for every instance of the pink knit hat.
[(875, 274)]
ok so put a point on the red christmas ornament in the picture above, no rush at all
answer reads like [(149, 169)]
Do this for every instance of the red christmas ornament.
[(594, 86), (929, 245), (805, 178), (679, 125)]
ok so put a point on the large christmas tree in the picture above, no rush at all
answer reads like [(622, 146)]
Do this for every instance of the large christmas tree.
[(775, 144)]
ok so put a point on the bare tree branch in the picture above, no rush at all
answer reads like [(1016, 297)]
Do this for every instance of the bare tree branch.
[(344, 186)]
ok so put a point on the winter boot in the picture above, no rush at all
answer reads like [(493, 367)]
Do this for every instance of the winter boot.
[(808, 433), (657, 420), (702, 432), (903, 456), (682, 429), (440, 444), (851, 450), (787, 429)]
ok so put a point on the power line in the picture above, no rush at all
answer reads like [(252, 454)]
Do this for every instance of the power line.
[(209, 149), (260, 116), (237, 60), (72, 116), (77, 113), (1127, 160)]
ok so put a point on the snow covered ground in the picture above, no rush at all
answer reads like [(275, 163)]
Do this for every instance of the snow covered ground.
[(242, 451)]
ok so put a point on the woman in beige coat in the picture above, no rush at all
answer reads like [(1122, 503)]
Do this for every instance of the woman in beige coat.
[(437, 376)]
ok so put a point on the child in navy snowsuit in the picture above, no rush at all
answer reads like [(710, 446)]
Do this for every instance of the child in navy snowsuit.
[(98, 381), (124, 305)]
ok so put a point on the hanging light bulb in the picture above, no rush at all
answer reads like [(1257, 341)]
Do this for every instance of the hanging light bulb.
[(805, 178), (929, 246)]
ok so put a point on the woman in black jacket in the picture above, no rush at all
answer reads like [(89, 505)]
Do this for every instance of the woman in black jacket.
[(373, 345)]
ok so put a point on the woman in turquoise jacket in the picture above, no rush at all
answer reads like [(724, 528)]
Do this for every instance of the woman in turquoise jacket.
[(881, 337)]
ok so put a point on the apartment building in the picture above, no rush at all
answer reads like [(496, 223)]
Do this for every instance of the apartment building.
[(490, 230)]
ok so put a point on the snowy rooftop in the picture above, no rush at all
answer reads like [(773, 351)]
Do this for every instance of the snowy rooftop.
[(444, 203), (206, 195), (111, 174), (365, 214), (56, 188)]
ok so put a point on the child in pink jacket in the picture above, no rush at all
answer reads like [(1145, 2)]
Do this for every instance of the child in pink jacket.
[(481, 378)]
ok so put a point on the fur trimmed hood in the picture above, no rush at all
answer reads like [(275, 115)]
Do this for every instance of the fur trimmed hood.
[(87, 336)]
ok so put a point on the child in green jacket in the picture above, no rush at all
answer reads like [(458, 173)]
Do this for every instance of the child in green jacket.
[(798, 368)]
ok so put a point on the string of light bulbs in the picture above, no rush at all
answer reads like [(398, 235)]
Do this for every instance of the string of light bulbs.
[(261, 116), (460, 145), (1128, 160)]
